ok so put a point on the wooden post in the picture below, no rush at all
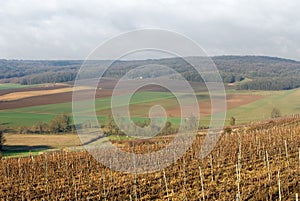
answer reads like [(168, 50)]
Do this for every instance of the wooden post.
[(201, 181), (279, 191), (166, 184)]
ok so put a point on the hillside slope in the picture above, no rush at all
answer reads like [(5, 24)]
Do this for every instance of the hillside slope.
[(259, 72)]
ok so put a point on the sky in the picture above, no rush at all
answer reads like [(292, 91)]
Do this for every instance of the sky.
[(71, 29)]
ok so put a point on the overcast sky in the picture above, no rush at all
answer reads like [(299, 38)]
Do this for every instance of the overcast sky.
[(34, 29)]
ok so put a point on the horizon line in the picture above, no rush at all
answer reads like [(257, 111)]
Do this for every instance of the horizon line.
[(144, 59)]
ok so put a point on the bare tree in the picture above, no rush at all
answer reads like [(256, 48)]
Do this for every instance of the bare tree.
[(232, 121), (2, 139)]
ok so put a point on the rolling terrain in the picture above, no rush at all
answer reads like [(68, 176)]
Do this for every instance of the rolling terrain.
[(245, 106), (254, 162), (257, 72), (256, 157)]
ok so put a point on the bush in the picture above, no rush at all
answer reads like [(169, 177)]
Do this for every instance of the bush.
[(275, 113), (40, 128), (60, 123)]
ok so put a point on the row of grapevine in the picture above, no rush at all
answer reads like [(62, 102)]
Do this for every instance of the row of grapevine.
[(261, 163)]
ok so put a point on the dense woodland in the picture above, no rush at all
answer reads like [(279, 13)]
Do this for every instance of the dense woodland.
[(247, 72)]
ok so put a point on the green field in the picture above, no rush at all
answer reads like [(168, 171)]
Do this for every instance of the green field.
[(28, 116), (14, 86), (24, 145), (285, 101)]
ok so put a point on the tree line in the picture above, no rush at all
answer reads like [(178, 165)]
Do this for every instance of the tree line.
[(284, 83), (262, 73), (142, 128), (61, 123)]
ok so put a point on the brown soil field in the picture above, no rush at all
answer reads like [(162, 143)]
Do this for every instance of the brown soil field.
[(233, 100), (61, 93), (173, 109), (48, 99), (106, 85), (106, 90)]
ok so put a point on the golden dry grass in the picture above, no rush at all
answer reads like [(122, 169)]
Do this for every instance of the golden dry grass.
[(28, 94), (55, 141)]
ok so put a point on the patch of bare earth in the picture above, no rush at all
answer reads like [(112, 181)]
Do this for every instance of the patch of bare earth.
[(232, 100)]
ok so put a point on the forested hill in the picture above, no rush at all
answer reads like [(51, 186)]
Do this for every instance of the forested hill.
[(260, 72), (243, 72)]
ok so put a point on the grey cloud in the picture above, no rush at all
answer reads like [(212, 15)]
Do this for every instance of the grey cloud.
[(35, 29)]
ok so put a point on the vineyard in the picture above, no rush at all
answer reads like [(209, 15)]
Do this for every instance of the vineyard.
[(252, 162)]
